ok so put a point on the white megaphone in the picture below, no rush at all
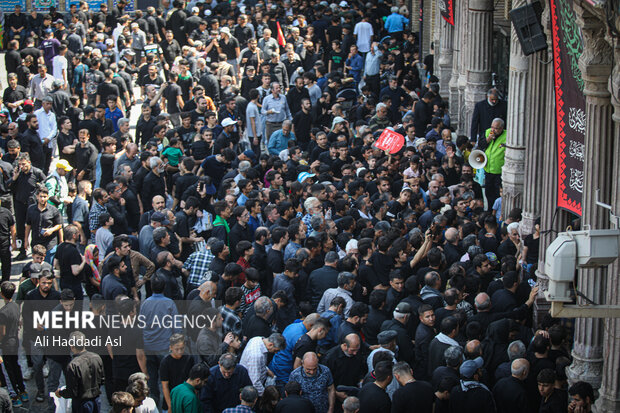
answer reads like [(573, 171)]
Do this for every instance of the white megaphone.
[(477, 159)]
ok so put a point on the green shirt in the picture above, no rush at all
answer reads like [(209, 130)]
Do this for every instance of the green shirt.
[(495, 153), (173, 155), (183, 398)]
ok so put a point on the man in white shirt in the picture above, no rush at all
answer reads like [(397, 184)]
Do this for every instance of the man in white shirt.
[(41, 85), (59, 65), (48, 129), (363, 33)]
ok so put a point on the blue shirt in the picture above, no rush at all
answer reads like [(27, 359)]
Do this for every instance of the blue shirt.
[(278, 142), (111, 287), (373, 63), (357, 64), (279, 105), (395, 23), (314, 388), (157, 307), (114, 116), (331, 339), (282, 362)]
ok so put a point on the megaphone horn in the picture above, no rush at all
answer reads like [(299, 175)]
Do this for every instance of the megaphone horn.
[(477, 159)]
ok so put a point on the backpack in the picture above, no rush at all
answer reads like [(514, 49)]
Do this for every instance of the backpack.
[(91, 81)]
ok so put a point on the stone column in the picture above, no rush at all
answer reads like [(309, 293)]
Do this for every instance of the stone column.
[(479, 45), (536, 113), (516, 124), (595, 65), (455, 107), (445, 55), (552, 218), (466, 51), (609, 394)]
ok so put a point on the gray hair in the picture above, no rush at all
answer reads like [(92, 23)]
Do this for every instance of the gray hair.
[(480, 304), (380, 106), (227, 361), (316, 221), (277, 340), (401, 368), (453, 356), (262, 306), (344, 278), (513, 226), (309, 202), (249, 394), (351, 404), (516, 350), (78, 338), (331, 257), (493, 92), (122, 121), (519, 366), (154, 162), (287, 123), (437, 176), (159, 234), (302, 254), (500, 121)]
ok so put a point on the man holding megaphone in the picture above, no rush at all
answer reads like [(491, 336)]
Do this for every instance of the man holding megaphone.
[(495, 151)]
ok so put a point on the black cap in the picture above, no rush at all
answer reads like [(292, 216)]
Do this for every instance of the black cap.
[(403, 308), (387, 336)]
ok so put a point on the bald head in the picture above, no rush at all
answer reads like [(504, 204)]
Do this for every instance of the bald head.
[(207, 290), (310, 363), (452, 235), (310, 358), (483, 302), (351, 344), (473, 349), (310, 320), (520, 368)]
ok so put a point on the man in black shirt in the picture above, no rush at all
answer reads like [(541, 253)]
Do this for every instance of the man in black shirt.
[(346, 363), (45, 223), (154, 182), (70, 262), (7, 240), (412, 392), (105, 127), (373, 397), (296, 95), (86, 156), (31, 142), (84, 376), (302, 124), (116, 208), (25, 179), (173, 98), (42, 299), (9, 338)]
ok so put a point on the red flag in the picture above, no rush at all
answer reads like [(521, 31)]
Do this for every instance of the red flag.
[(281, 39)]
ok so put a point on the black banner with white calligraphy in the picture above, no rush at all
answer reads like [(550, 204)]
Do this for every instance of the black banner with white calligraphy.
[(570, 104)]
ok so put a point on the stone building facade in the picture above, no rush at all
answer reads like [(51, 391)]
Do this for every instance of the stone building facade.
[(463, 56)]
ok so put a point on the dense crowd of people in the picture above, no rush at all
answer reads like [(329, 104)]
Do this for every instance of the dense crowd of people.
[(344, 277)]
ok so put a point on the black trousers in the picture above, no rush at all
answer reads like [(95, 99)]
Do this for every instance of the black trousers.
[(14, 372), (5, 261), (492, 184), (20, 220), (374, 83)]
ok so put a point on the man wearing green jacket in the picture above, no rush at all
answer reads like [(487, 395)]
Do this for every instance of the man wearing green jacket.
[(184, 397), (496, 141)]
